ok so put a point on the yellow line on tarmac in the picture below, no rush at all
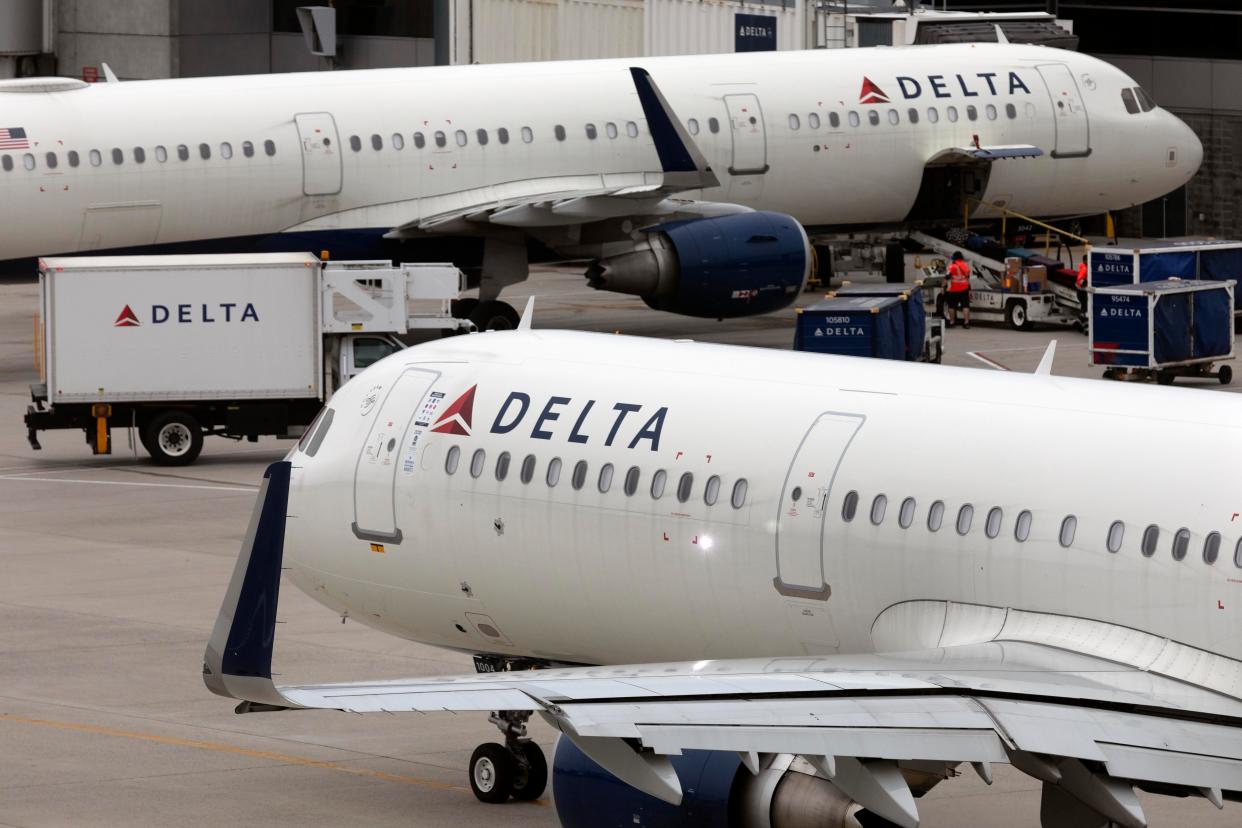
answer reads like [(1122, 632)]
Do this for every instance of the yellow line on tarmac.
[(219, 747)]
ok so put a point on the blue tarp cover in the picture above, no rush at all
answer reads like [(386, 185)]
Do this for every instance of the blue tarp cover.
[(915, 314), (1221, 265), (1156, 267), (1213, 323), (853, 326)]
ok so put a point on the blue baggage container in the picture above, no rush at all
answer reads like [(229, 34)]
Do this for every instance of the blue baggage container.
[(914, 313), (1213, 260), (868, 326), (1164, 324)]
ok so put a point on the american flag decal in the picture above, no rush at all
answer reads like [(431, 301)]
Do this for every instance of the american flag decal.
[(13, 138)]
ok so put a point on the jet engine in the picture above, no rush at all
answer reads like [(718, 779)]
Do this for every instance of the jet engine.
[(734, 265), (718, 792)]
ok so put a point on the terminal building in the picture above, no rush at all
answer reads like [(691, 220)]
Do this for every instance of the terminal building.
[(1184, 55)]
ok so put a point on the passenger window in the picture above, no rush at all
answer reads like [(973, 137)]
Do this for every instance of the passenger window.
[(972, 114), (140, 155), (950, 112), (370, 350), (96, 158), (247, 149), (933, 115), (812, 120), (476, 462), (990, 112), (1151, 537), (6, 162), (578, 480), (711, 492), (1211, 548), (1022, 527), (605, 478), (28, 161), (854, 120), (684, 486), (893, 117), (905, 516), (441, 140), (657, 483), (1237, 554), (51, 160), (992, 526), (739, 493), (183, 152), (713, 126), (502, 465), (452, 459), (559, 132), (1011, 111), (1069, 527), (460, 137), (320, 433), (355, 143), (913, 115), (592, 133), (161, 155), (397, 141), (631, 481), (873, 118), (226, 150), (118, 157), (419, 140), (965, 516), (631, 129), (204, 151), (1116, 534), (553, 475), (935, 516), (480, 135), (610, 129), (527, 473), (1181, 544), (269, 147), (878, 507), (849, 506), (794, 122), (377, 143), (528, 135), (834, 120), (502, 135)]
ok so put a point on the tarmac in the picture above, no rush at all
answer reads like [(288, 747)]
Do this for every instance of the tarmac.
[(113, 572)]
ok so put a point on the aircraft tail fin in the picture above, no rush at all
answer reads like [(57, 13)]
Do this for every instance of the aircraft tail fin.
[(684, 165)]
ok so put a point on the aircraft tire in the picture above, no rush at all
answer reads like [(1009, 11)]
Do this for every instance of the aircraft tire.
[(530, 781), (492, 772), (494, 315), (174, 438)]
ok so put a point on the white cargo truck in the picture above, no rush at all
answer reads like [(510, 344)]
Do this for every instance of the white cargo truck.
[(179, 347)]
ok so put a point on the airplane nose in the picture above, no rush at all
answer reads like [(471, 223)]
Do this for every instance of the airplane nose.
[(1190, 149)]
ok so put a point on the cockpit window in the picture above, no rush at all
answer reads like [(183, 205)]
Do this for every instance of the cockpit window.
[(1144, 100), (320, 429), (1127, 98)]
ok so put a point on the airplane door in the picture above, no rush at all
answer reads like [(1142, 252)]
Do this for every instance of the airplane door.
[(750, 143), (1069, 111), (375, 475), (803, 507), (321, 153)]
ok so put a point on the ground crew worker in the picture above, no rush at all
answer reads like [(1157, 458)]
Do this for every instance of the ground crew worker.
[(957, 294), (1080, 284)]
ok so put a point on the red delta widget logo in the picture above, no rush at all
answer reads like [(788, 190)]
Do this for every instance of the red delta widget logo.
[(190, 313)]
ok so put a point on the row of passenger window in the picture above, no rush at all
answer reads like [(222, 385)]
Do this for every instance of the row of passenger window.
[(1022, 527), (581, 470), (138, 154), (813, 120), (482, 137)]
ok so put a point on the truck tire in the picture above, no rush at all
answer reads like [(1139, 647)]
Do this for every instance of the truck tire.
[(1016, 316), (174, 438), (494, 315)]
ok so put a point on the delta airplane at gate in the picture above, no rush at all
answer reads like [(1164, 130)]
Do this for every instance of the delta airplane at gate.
[(828, 611), (688, 181)]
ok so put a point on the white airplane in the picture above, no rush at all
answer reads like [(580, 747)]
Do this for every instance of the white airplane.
[(834, 595), (690, 197)]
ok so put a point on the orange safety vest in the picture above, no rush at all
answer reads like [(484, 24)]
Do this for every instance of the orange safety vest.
[(1082, 276), (959, 276)]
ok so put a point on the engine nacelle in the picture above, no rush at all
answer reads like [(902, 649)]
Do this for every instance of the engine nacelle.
[(734, 265)]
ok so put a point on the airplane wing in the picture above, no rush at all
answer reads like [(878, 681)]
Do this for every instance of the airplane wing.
[(1089, 727), (561, 200)]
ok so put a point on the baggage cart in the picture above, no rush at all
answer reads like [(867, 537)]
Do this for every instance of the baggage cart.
[(868, 326), (924, 335)]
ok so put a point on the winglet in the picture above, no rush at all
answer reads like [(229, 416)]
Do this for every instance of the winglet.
[(528, 315), (238, 660), (1045, 364), (109, 75), (680, 158)]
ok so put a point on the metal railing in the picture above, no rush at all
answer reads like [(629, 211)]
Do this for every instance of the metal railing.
[(1006, 213)]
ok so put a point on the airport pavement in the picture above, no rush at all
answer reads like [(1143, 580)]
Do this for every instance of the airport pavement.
[(113, 570)]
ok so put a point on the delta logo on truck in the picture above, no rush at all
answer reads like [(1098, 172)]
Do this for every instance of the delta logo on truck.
[(188, 314)]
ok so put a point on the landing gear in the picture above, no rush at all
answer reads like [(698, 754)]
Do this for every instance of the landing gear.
[(515, 769), (494, 315)]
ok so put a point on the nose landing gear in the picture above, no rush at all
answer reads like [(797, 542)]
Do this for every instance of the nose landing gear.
[(515, 769)]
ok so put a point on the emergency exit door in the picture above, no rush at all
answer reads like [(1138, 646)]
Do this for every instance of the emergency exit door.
[(1073, 138), (375, 475), (750, 143), (321, 153), (800, 536)]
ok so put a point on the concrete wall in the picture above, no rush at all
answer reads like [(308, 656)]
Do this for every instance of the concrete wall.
[(505, 31), (132, 37)]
